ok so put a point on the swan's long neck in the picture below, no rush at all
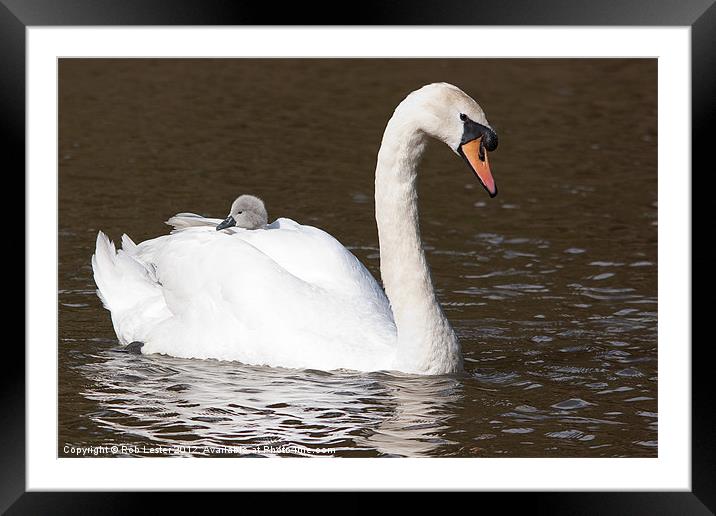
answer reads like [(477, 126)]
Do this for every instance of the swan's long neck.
[(426, 341)]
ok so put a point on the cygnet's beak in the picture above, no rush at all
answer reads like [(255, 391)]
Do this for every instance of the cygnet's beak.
[(227, 223), (475, 154)]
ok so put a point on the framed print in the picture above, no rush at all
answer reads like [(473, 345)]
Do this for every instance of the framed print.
[(223, 220)]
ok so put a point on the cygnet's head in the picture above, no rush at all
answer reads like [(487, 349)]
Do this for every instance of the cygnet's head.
[(247, 212)]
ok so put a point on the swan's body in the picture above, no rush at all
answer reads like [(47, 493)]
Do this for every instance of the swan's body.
[(291, 295)]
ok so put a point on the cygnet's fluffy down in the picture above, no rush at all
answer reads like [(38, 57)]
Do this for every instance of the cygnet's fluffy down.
[(247, 212)]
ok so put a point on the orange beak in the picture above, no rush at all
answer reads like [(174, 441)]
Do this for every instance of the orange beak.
[(481, 167)]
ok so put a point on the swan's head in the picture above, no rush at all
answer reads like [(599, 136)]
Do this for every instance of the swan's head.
[(246, 212), (447, 113)]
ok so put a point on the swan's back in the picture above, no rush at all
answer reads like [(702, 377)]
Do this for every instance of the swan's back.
[(306, 252), (287, 295)]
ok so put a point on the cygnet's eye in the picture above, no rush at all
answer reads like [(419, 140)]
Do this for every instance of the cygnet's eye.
[(463, 116), (239, 212)]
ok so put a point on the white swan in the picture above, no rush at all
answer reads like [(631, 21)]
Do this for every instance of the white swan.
[(291, 295)]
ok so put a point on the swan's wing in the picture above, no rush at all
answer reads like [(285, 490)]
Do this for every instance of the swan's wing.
[(316, 257), (306, 252), (288, 295)]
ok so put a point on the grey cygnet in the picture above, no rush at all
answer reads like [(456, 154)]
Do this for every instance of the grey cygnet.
[(247, 212)]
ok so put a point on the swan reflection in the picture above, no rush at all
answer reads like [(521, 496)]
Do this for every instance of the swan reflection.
[(194, 406)]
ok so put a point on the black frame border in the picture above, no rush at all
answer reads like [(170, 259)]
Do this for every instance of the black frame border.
[(699, 15)]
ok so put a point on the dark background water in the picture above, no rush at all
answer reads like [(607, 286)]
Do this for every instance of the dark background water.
[(551, 286)]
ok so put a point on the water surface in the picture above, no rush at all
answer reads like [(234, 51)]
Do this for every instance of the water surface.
[(551, 286)]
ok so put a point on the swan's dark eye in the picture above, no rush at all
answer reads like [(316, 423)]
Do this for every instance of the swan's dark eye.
[(239, 212), (463, 116)]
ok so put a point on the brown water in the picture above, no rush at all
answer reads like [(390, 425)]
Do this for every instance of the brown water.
[(551, 286)]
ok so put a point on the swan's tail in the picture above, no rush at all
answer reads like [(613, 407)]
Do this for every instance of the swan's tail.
[(127, 287)]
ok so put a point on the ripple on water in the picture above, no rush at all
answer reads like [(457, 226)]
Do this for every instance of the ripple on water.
[(641, 264), (571, 434), (518, 430), (572, 404), (630, 372)]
